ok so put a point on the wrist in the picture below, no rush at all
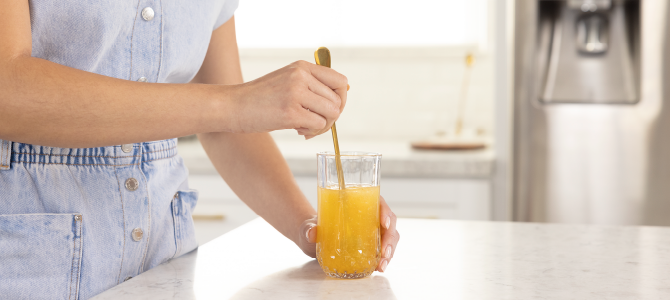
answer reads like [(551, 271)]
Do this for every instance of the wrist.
[(217, 112)]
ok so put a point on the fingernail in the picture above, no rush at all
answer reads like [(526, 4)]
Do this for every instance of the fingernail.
[(384, 263), (348, 87), (307, 233), (388, 252), (387, 224)]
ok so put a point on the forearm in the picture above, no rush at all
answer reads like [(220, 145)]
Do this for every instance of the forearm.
[(49, 104), (254, 168)]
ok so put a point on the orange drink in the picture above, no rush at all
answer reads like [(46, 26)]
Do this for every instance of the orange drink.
[(348, 234)]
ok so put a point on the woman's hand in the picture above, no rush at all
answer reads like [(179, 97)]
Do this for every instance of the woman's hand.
[(301, 96), (390, 235)]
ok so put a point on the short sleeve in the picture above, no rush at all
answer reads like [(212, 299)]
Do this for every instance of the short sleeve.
[(227, 12)]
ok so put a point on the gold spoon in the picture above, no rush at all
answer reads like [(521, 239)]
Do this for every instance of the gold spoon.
[(322, 57)]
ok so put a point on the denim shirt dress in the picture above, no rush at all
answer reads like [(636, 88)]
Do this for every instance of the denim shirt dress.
[(75, 222)]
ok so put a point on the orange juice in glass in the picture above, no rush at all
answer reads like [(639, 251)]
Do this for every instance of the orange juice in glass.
[(348, 236)]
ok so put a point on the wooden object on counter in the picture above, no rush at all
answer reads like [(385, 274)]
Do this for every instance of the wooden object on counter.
[(457, 141), (448, 145)]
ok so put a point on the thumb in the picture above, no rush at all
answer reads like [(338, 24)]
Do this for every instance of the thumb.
[(308, 230), (311, 234)]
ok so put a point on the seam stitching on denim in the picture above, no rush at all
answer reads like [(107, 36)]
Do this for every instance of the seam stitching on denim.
[(102, 156), (175, 221), (160, 59), (81, 241), (178, 219), (2, 154), (132, 38), (25, 153), (123, 211), (74, 246), (146, 249), (168, 149), (146, 161)]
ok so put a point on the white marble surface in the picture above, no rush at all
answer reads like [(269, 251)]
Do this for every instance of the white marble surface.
[(398, 158), (436, 259)]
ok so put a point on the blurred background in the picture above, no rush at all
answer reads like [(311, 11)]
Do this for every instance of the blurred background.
[(406, 64), (509, 110)]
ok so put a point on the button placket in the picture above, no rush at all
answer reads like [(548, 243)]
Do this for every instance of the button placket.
[(136, 210), (147, 42)]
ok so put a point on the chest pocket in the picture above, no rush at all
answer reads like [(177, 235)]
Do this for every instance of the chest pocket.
[(40, 256)]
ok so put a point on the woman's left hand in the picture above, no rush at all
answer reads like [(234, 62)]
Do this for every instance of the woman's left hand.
[(390, 235)]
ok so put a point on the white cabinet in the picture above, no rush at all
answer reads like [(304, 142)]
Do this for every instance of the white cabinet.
[(447, 198)]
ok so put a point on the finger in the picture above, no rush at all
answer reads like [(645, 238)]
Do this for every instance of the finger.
[(324, 91), (382, 265), (331, 78), (308, 122), (390, 235), (386, 216), (323, 107), (390, 242), (311, 234), (317, 87)]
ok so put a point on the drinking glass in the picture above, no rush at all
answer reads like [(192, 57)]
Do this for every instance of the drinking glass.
[(348, 236)]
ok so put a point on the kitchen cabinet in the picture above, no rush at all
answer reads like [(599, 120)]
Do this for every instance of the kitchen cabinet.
[(443, 198), (425, 184)]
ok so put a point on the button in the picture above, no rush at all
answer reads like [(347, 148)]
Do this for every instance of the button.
[(142, 79), (77, 217), (132, 184), (148, 14), (128, 278), (137, 234), (127, 148)]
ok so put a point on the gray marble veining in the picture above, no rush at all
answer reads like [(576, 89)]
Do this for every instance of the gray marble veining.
[(436, 259)]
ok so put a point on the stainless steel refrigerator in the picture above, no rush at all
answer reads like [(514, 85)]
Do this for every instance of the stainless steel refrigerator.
[(592, 111)]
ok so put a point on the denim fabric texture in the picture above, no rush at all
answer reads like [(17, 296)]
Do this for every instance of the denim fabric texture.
[(75, 222), (67, 217)]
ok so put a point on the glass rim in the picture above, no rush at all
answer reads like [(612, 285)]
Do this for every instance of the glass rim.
[(350, 153)]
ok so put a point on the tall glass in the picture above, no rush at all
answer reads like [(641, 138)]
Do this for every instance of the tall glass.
[(348, 236)]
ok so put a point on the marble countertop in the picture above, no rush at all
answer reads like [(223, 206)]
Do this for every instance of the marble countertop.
[(436, 259), (398, 158)]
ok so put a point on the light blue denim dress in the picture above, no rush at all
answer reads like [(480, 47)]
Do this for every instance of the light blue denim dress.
[(75, 222)]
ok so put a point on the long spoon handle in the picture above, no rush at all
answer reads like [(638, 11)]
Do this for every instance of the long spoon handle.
[(322, 57)]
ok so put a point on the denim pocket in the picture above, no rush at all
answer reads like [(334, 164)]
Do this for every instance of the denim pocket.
[(40, 256), (184, 230)]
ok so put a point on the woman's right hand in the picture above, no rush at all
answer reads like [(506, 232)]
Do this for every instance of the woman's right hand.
[(301, 96)]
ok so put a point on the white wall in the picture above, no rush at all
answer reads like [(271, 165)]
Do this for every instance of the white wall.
[(396, 93), (361, 23), (404, 59)]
